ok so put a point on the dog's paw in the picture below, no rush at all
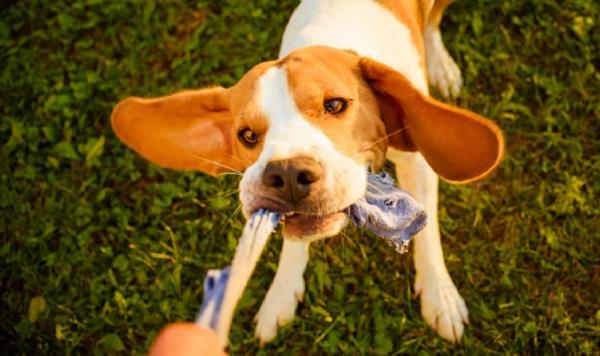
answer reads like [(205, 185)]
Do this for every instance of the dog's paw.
[(278, 308), (442, 307), (442, 71)]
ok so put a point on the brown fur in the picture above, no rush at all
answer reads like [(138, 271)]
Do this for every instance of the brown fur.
[(459, 145)]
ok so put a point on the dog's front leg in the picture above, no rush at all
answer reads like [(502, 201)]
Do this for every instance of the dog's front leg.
[(285, 292), (442, 307), (442, 71)]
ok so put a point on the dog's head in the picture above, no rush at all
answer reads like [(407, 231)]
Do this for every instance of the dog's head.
[(304, 130)]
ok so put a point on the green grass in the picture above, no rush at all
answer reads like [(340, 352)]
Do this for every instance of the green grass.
[(100, 249)]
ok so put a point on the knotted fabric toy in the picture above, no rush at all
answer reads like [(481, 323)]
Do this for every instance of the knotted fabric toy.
[(385, 210), (388, 212)]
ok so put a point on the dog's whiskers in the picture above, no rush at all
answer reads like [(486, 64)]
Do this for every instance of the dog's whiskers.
[(235, 191), (230, 173), (231, 217), (384, 137), (234, 171)]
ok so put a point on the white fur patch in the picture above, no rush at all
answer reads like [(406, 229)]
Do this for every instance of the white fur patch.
[(360, 25), (289, 134)]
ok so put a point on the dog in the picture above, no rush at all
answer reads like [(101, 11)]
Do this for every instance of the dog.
[(348, 91)]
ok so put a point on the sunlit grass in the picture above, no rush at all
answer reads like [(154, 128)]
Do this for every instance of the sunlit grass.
[(100, 249)]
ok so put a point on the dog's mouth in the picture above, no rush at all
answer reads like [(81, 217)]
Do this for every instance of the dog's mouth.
[(304, 224), (311, 219), (295, 218), (309, 227)]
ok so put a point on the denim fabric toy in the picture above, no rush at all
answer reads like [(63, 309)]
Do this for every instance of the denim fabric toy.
[(388, 212)]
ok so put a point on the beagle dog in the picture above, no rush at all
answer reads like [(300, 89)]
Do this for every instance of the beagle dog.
[(348, 91)]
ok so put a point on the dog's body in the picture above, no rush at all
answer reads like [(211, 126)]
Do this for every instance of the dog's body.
[(393, 33), (351, 81)]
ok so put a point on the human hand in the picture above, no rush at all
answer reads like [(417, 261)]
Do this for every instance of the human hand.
[(186, 339)]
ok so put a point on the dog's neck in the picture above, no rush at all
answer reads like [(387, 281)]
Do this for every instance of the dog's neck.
[(363, 26)]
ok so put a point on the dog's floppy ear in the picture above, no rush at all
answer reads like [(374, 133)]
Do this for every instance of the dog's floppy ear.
[(459, 145), (189, 130)]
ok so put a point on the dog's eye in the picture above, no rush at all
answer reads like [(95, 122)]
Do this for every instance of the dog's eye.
[(335, 106), (248, 137)]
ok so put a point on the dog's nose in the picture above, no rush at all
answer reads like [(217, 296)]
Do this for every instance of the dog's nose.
[(292, 179)]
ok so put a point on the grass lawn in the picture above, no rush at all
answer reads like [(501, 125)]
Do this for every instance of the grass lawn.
[(99, 249)]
